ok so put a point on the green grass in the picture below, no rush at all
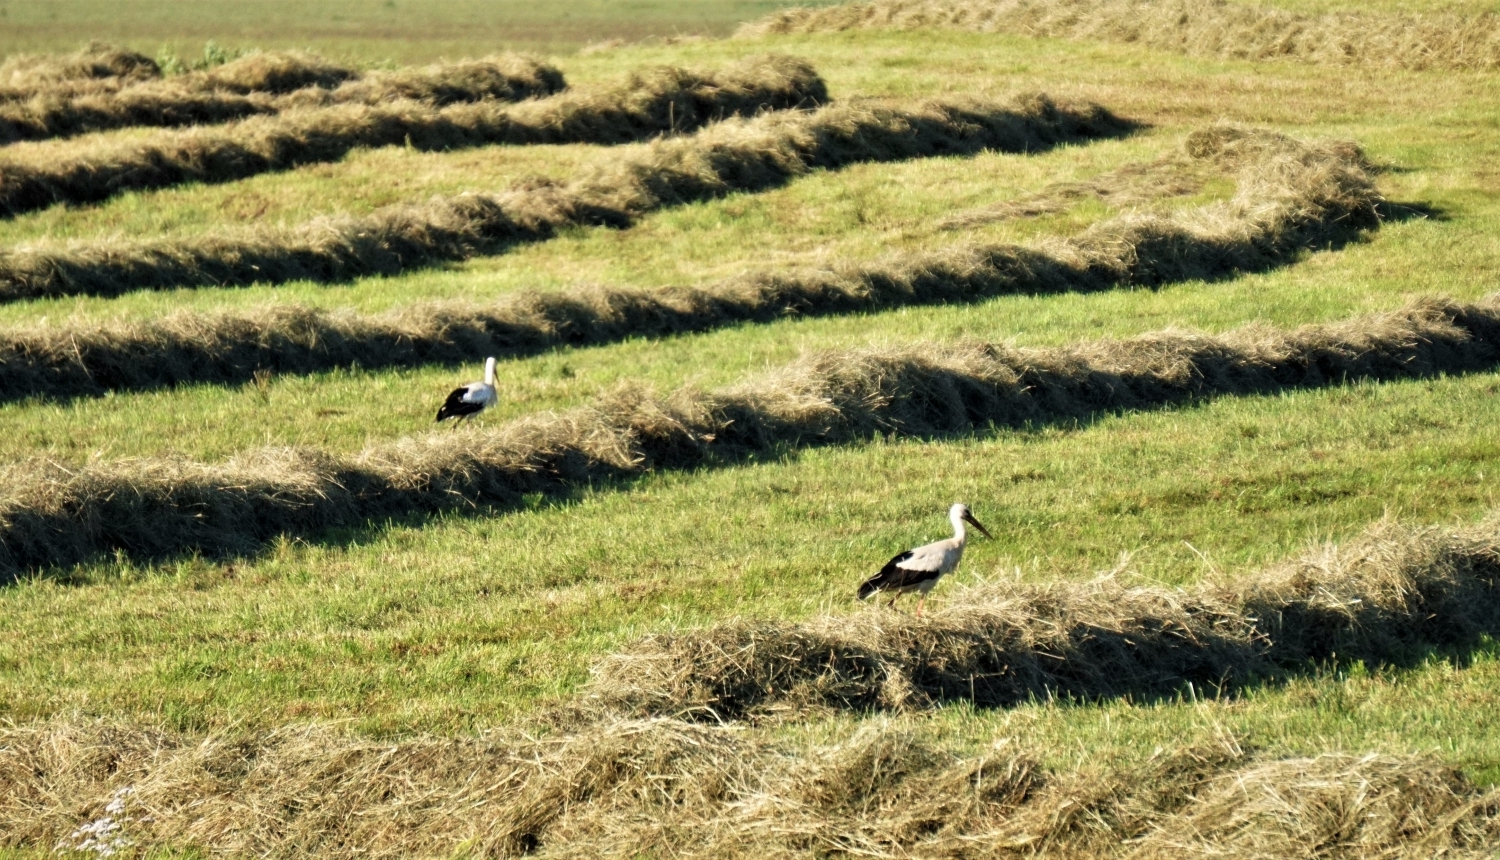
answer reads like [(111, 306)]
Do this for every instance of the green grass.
[(466, 621)]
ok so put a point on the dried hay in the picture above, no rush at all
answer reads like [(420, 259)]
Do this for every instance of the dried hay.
[(666, 788), (97, 67), (54, 516), (1202, 28), (236, 91), (1267, 224), (646, 104), (505, 77), (1385, 598), (736, 154)]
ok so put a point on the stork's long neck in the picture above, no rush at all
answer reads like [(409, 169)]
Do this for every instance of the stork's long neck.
[(960, 534), (489, 371)]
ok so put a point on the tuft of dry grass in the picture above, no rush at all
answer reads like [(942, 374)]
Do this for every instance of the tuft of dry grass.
[(668, 788), (235, 91), (54, 516), (1203, 28), (645, 105), (1293, 195), (95, 68), (1385, 598), (736, 154)]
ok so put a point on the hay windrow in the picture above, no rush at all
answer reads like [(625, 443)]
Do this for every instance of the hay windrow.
[(97, 67), (53, 516), (1323, 196), (665, 788), (1202, 28), (101, 70), (736, 154), (647, 104), (207, 98), (1384, 598)]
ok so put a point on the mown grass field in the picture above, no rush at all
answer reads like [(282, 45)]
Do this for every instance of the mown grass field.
[(457, 624)]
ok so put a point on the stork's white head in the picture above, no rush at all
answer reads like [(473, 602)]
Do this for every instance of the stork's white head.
[(489, 371), (960, 513)]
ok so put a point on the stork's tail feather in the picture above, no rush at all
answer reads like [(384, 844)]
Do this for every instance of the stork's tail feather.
[(869, 588)]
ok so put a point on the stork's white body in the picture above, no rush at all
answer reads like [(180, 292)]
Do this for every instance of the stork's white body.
[(469, 400), (919, 569)]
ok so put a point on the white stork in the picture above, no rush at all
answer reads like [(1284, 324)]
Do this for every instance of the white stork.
[(919, 569), (469, 400)]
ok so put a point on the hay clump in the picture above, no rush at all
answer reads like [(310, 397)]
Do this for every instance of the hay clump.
[(272, 72), (667, 788), (1202, 28), (273, 85), (51, 516), (505, 77), (645, 105), (1266, 224), (737, 154), (97, 67), (1388, 597)]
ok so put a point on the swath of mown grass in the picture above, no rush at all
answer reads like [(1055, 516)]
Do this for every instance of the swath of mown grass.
[(98, 67), (733, 155), (56, 516), (668, 788), (1204, 28), (644, 105), (182, 100), (100, 70), (1387, 598), (1292, 195)]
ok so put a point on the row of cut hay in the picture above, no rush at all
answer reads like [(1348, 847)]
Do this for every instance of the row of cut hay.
[(54, 516), (100, 70), (648, 104), (1202, 28), (97, 67), (1386, 598), (185, 100), (1293, 195), (737, 154), (662, 788)]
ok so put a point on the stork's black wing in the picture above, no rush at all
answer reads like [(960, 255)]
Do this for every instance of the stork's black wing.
[(457, 407), (894, 577)]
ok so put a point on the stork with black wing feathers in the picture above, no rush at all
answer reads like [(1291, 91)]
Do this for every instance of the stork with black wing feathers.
[(919, 569), (466, 401)]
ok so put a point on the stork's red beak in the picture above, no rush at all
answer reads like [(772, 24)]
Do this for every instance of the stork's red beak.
[(976, 524)]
